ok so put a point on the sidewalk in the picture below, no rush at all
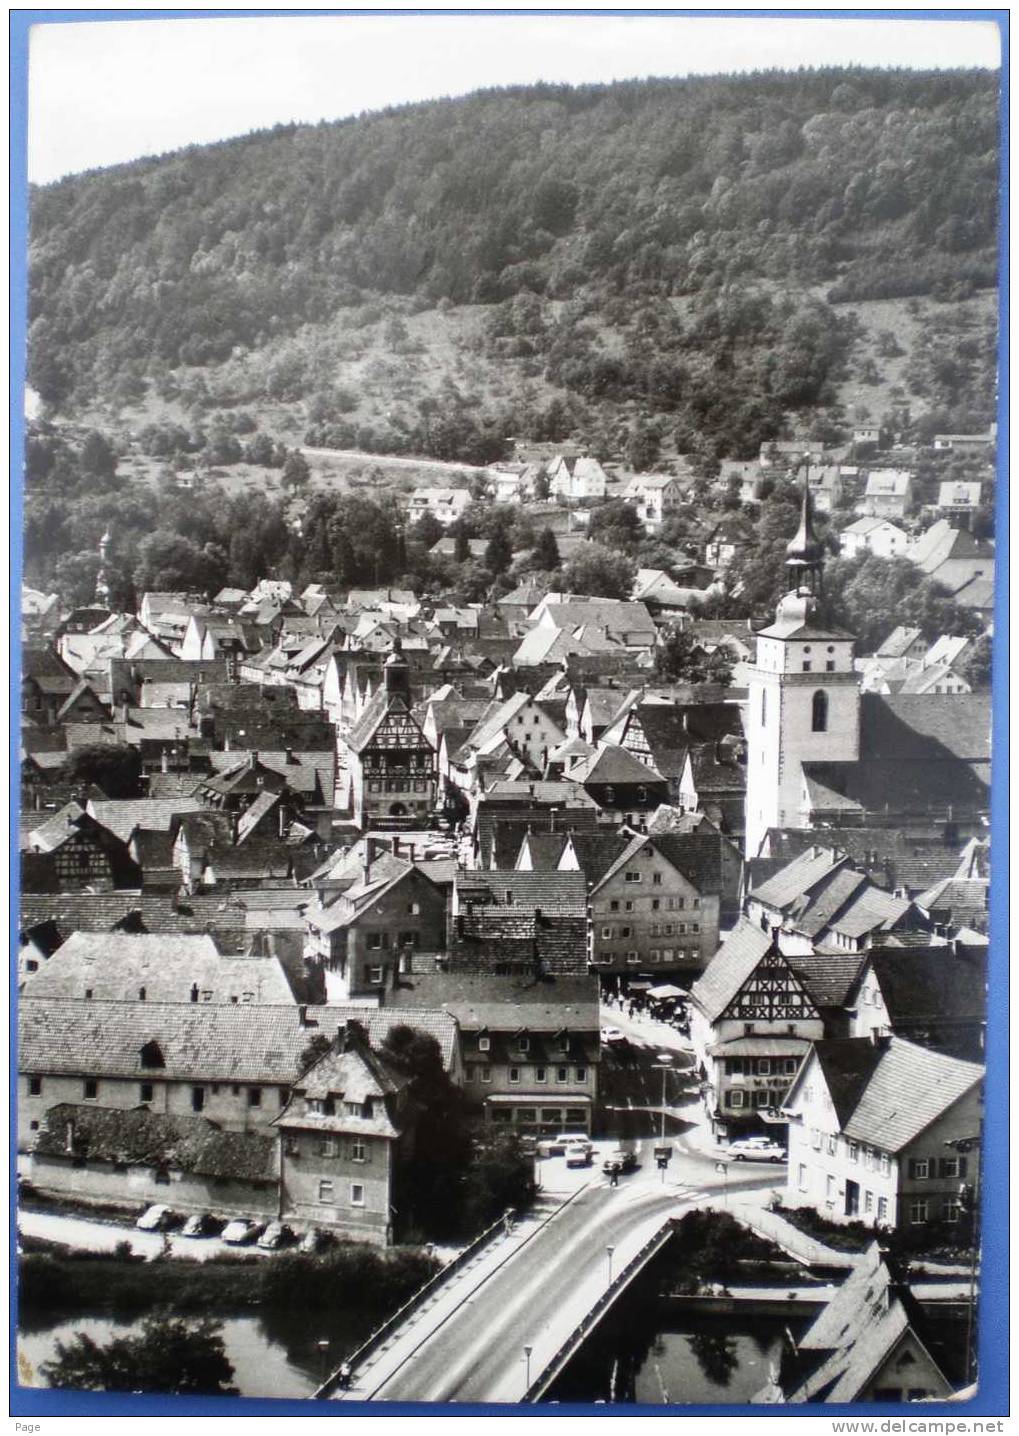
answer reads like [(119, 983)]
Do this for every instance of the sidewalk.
[(797, 1244), (446, 1300)]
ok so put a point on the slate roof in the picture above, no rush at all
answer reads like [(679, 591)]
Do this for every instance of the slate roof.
[(857, 1331), (199, 1041), (730, 968), (965, 900), (123, 816), (55, 831), (544, 849), (597, 852), (827, 977), (115, 966), (139, 1137), (555, 893), (888, 1092), (894, 857), (486, 1000), (616, 766), (937, 984), (797, 878)]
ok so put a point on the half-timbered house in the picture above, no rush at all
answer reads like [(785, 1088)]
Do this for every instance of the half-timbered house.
[(391, 762)]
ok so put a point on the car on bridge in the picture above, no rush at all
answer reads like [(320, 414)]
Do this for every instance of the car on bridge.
[(756, 1149)]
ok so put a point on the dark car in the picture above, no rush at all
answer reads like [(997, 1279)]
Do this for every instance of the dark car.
[(620, 1159)]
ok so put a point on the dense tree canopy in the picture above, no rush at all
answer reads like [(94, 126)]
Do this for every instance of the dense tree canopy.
[(185, 1356)]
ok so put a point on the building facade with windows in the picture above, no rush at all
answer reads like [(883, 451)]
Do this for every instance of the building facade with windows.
[(752, 1020), (648, 912), (876, 1125), (391, 762), (530, 1046), (341, 1135)]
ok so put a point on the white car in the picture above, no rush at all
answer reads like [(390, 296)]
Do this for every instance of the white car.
[(565, 1142), (240, 1232), (613, 1036), (155, 1219), (756, 1149)]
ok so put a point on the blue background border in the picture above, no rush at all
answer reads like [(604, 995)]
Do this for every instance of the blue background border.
[(992, 1396)]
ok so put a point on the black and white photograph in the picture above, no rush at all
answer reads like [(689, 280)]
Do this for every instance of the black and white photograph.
[(506, 601)]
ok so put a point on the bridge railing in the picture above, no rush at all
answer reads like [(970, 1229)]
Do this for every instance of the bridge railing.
[(608, 1296), (378, 1336)]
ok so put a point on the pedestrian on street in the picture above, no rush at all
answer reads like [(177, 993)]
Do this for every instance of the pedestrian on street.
[(614, 1177)]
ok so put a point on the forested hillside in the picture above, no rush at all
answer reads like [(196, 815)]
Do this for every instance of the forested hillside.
[(867, 184), (654, 269)]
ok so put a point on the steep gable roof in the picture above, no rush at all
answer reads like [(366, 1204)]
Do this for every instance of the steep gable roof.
[(730, 968)]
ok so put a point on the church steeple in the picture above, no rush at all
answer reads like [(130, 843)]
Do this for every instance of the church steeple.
[(805, 551)]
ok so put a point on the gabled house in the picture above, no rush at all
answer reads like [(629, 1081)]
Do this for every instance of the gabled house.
[(820, 900), (878, 536), (933, 996), (576, 478), (871, 1342), (888, 494), (341, 1133), (626, 789), (362, 936), (656, 497), (752, 1020), (71, 851), (875, 1125), (653, 910), (446, 505), (391, 763)]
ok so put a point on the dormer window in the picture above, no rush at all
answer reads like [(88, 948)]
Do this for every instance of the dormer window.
[(484, 1044), (523, 1042), (151, 1055)]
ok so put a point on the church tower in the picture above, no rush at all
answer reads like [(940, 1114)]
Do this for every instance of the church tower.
[(804, 694)]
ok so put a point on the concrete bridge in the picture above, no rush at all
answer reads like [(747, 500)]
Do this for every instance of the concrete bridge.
[(502, 1324)]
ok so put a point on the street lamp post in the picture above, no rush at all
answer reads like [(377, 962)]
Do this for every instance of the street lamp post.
[(527, 1368), (323, 1359), (609, 1251), (664, 1065)]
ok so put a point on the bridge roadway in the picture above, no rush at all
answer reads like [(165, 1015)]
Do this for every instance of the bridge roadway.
[(532, 1288)]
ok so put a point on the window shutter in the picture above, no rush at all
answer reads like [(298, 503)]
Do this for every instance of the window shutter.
[(912, 1166), (962, 1167)]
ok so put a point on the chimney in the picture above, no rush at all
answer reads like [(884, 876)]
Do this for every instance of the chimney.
[(351, 1035), (303, 1018), (164, 762), (553, 818), (395, 845)]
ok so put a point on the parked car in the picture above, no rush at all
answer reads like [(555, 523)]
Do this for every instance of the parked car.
[(155, 1219), (579, 1154), (620, 1159), (240, 1232), (556, 1146), (315, 1240), (755, 1149), (276, 1235), (614, 1037), (201, 1225)]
